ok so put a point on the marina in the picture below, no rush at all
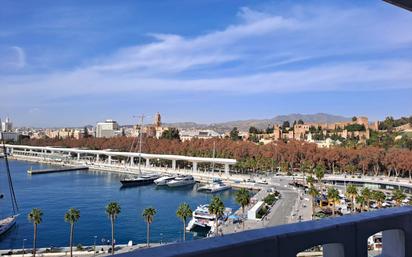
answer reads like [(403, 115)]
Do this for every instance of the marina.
[(90, 192)]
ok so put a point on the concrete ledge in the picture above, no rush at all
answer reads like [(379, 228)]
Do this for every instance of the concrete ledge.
[(342, 236)]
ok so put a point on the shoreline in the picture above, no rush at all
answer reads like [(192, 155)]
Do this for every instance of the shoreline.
[(235, 180)]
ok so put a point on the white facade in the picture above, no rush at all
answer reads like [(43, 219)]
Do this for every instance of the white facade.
[(109, 128), (251, 214), (6, 126), (201, 134), (327, 143), (10, 136)]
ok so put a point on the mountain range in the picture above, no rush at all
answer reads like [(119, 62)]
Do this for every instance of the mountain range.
[(244, 125)]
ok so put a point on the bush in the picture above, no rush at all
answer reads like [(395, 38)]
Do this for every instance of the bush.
[(271, 199), (262, 212)]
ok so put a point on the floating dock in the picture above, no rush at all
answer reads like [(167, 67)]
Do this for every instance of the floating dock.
[(55, 170)]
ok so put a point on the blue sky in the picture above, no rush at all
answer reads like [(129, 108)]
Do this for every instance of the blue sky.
[(71, 63)]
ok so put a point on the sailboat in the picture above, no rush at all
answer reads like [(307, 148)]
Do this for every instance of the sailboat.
[(7, 223), (141, 179)]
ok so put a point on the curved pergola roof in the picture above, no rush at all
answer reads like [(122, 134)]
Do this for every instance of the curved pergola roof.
[(126, 154)]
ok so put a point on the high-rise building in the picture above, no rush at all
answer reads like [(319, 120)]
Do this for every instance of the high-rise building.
[(108, 128), (6, 126)]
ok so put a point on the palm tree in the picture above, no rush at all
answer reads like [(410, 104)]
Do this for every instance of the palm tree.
[(35, 217), (184, 212), (320, 172), (314, 193), (398, 196), (333, 196), (310, 180), (243, 199), (361, 201), (148, 215), (367, 195), (112, 210), (379, 197), (71, 216), (352, 192), (217, 208)]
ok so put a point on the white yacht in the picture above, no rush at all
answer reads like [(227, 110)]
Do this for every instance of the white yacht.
[(181, 181), (202, 218), (162, 181), (216, 186)]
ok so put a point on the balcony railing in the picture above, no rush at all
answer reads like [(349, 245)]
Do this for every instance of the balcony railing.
[(343, 236)]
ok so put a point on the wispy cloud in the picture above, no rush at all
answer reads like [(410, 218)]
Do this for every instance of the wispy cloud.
[(258, 51), (174, 53), (12, 58)]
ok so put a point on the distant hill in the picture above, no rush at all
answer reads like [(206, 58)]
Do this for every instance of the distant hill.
[(244, 125)]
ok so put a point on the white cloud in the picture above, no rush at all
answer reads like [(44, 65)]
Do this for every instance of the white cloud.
[(12, 58), (258, 47), (349, 76), (173, 53)]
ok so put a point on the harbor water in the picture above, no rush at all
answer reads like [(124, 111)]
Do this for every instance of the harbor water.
[(90, 191)]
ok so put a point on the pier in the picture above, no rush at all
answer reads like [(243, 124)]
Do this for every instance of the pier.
[(59, 154), (55, 170)]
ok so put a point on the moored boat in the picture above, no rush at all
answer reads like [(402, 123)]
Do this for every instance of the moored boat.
[(7, 223), (216, 186), (181, 181), (139, 180), (202, 218), (162, 181)]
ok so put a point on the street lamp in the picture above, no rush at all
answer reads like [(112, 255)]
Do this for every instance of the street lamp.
[(94, 245), (24, 240)]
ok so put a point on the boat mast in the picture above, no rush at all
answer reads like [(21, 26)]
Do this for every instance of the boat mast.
[(140, 142), (11, 189), (214, 152)]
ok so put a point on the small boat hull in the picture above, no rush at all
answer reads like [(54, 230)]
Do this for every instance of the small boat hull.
[(162, 181), (7, 223), (183, 183), (139, 181)]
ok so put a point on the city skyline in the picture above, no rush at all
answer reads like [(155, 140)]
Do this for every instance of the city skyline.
[(75, 63)]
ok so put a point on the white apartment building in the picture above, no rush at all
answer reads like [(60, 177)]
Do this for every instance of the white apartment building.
[(108, 128)]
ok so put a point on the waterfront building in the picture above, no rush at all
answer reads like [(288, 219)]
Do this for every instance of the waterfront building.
[(108, 128), (200, 134)]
